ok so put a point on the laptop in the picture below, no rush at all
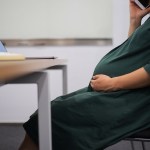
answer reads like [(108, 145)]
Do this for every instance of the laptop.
[(4, 55)]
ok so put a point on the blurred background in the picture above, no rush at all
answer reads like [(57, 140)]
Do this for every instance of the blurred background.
[(81, 31)]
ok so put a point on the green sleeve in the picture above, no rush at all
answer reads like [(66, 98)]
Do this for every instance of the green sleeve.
[(147, 67)]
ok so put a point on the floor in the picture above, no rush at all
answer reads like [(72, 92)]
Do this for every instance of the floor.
[(11, 136)]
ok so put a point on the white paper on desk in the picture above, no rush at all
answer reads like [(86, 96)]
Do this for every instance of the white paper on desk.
[(11, 56)]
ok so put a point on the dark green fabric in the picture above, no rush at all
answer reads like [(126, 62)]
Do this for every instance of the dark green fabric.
[(89, 120)]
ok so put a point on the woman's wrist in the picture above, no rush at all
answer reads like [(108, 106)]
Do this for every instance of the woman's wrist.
[(116, 84), (135, 22)]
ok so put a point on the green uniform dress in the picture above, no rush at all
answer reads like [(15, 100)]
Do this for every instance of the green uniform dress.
[(90, 120)]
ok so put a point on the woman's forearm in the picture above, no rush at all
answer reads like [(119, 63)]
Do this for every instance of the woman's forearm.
[(134, 24), (137, 79)]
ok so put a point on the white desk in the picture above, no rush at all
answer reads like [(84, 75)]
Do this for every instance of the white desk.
[(34, 71)]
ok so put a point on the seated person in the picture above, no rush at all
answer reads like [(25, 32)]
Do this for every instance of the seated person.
[(114, 105)]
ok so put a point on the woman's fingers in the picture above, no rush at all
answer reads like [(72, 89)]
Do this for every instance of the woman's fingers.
[(92, 83), (146, 11), (95, 77)]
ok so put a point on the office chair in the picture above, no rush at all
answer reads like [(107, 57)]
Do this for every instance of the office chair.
[(142, 136)]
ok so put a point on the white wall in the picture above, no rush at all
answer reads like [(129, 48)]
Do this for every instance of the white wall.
[(81, 62), (55, 19), (120, 21)]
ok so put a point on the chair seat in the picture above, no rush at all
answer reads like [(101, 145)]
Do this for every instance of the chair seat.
[(140, 136)]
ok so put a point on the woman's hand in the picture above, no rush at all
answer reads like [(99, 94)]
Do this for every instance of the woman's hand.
[(136, 13), (102, 83), (137, 79)]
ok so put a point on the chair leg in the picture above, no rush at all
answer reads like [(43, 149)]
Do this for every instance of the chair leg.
[(132, 145), (143, 145)]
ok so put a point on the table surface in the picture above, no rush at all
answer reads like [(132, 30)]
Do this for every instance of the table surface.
[(10, 70)]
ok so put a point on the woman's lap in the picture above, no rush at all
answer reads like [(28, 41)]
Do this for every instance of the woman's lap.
[(31, 126), (84, 120)]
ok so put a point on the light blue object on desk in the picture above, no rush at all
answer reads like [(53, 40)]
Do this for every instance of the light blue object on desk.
[(2, 48)]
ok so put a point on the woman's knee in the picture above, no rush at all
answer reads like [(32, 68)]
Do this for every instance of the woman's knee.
[(28, 144)]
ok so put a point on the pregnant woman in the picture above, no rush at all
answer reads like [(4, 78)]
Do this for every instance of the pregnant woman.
[(114, 105)]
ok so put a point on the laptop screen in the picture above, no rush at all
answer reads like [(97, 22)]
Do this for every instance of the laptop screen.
[(2, 48)]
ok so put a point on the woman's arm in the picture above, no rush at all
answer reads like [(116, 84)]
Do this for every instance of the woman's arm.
[(136, 15), (136, 79)]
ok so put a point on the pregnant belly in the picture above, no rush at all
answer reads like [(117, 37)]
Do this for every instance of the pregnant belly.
[(112, 69)]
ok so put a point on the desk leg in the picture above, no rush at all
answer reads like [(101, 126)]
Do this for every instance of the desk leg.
[(45, 133), (44, 109), (45, 139), (65, 79)]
